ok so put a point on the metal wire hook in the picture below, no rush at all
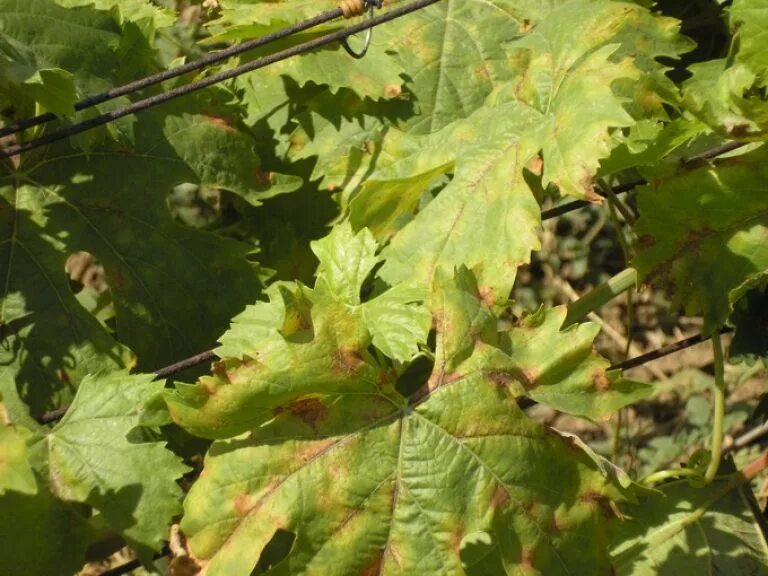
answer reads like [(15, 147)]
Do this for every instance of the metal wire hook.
[(372, 4)]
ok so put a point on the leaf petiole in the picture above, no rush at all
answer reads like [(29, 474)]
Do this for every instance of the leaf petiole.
[(719, 409)]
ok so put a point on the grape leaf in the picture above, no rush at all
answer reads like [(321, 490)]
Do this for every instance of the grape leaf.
[(40, 536), (682, 530), (729, 94), (112, 204), (81, 41), (585, 387), (93, 459), (710, 217), (453, 55), (15, 471), (397, 326), (405, 482), (346, 260), (749, 19), (302, 342), (486, 218), (133, 10), (723, 97)]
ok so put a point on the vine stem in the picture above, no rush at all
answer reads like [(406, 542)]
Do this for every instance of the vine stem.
[(601, 295), (719, 409), (662, 475)]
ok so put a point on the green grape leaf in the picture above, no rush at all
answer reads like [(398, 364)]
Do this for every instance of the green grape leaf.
[(709, 217), (112, 204), (133, 10), (687, 529), (577, 82), (346, 260), (406, 483), (729, 94), (96, 456), (749, 18), (54, 89), (81, 41), (722, 96), (582, 386), (40, 535), (397, 323), (15, 471)]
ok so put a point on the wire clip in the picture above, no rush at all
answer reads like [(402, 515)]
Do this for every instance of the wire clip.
[(351, 8)]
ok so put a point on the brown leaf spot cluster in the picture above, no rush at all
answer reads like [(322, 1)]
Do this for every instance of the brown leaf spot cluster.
[(393, 90)]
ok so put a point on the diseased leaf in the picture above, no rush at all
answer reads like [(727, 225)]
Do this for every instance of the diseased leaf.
[(302, 343), (95, 456), (404, 481), (453, 55), (710, 217), (682, 530), (582, 385), (486, 218)]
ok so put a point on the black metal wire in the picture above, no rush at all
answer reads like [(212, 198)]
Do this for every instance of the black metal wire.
[(664, 351), (141, 105), (146, 82), (578, 204)]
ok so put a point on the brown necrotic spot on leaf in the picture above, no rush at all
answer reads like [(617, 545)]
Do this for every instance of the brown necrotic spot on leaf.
[(262, 178), (348, 361), (219, 122), (244, 503), (601, 381), (601, 503), (500, 498), (308, 410), (393, 90), (646, 241), (526, 558)]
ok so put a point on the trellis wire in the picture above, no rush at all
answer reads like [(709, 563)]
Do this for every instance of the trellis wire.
[(199, 64), (150, 102)]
